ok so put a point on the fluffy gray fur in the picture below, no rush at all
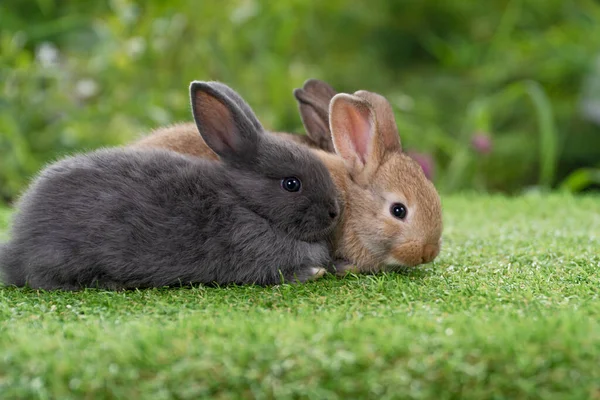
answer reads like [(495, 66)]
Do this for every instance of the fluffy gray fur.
[(130, 218)]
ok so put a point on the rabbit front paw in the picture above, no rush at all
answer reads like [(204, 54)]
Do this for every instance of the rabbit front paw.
[(317, 273), (315, 257), (343, 267), (307, 274)]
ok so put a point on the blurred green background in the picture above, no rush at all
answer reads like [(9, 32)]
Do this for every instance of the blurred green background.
[(491, 96)]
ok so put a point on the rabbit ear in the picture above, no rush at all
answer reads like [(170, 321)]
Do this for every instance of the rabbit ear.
[(229, 130), (313, 103), (386, 122), (239, 101), (353, 128), (359, 138)]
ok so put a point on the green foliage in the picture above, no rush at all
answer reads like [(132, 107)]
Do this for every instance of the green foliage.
[(580, 179), (509, 310), (79, 75)]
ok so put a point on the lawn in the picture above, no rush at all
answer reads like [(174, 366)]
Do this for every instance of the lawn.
[(510, 309)]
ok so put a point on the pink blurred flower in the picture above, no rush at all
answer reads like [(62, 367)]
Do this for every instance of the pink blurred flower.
[(482, 143), (425, 161)]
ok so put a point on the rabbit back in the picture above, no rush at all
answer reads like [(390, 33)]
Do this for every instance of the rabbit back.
[(313, 103)]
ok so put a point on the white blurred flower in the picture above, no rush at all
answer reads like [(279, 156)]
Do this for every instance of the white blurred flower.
[(86, 88), (47, 55), (244, 12), (128, 13), (135, 46)]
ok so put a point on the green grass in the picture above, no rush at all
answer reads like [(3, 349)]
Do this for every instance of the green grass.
[(509, 310)]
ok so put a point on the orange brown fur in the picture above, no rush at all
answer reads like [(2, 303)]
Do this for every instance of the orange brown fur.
[(185, 139), (182, 138)]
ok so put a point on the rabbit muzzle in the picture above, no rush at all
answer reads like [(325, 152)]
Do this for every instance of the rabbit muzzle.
[(411, 254)]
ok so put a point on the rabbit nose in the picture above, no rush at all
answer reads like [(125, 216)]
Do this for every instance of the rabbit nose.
[(430, 251), (333, 212)]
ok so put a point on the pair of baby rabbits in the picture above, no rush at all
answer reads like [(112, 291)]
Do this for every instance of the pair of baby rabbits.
[(233, 204)]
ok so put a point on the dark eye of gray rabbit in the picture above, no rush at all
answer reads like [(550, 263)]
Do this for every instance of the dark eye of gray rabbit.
[(291, 184)]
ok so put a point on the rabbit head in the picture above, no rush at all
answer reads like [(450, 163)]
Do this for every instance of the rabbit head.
[(279, 180), (392, 216)]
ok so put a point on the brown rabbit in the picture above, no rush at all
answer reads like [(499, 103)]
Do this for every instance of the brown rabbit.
[(313, 103), (391, 214)]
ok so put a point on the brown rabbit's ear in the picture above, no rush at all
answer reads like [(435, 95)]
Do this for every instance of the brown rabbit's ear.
[(227, 129), (387, 130), (353, 128), (363, 130), (313, 103)]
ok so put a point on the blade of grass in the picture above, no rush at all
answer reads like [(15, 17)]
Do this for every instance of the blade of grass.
[(580, 179), (548, 137), (547, 131)]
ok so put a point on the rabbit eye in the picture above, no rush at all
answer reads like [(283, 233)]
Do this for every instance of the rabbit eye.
[(398, 210), (291, 184)]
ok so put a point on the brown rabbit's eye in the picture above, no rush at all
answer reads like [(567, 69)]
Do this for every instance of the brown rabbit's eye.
[(291, 184), (398, 210)]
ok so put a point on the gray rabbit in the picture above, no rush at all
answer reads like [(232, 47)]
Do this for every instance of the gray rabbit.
[(136, 218)]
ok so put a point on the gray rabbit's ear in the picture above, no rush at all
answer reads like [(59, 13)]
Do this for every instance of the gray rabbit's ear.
[(313, 103), (238, 100), (230, 131)]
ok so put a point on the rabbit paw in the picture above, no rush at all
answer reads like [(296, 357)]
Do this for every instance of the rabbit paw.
[(343, 267), (317, 273), (308, 274), (315, 256)]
